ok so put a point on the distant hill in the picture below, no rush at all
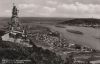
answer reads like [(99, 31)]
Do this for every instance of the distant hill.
[(77, 21), (35, 19)]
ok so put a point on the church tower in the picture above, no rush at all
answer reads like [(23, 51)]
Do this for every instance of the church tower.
[(14, 24)]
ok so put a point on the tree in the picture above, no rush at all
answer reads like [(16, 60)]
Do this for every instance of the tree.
[(69, 59)]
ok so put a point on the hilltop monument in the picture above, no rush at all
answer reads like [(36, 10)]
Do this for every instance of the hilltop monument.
[(17, 32), (14, 24)]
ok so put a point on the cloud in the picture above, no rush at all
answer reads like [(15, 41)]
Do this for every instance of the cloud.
[(49, 9), (25, 6), (67, 7), (62, 8), (80, 7), (46, 11), (76, 9), (8, 11), (52, 2)]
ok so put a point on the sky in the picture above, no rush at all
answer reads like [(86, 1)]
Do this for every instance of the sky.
[(52, 8)]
